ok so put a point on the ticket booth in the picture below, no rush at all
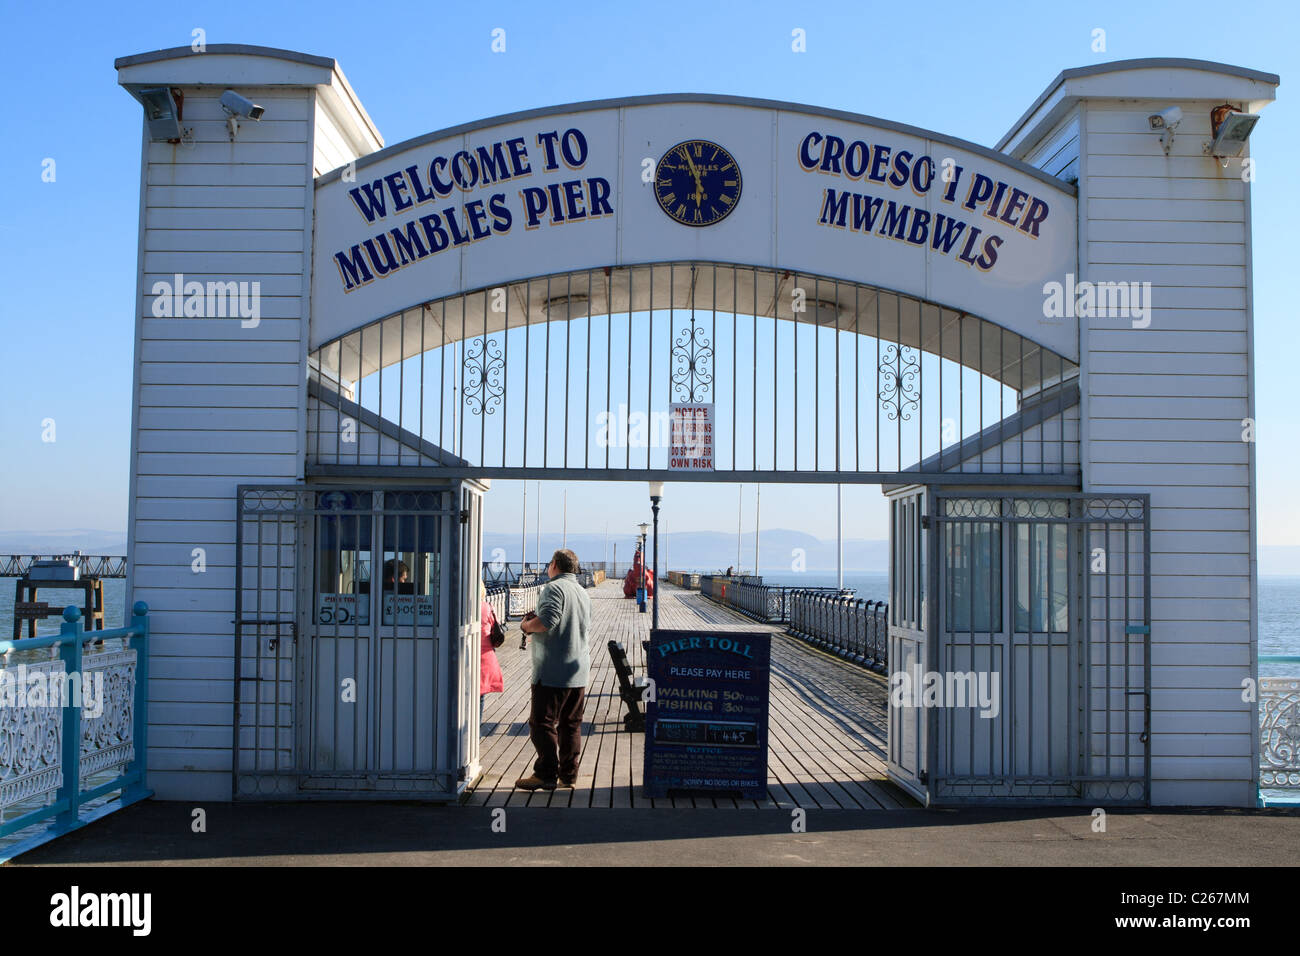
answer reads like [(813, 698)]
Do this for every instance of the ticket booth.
[(1019, 645), (357, 634)]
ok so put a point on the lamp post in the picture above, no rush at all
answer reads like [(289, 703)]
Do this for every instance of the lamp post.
[(656, 495), (641, 584)]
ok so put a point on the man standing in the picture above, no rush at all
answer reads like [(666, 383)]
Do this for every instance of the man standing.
[(561, 663)]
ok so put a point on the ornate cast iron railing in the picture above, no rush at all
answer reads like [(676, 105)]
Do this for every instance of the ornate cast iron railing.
[(1279, 729), (853, 628), (73, 741), (829, 618), (498, 595)]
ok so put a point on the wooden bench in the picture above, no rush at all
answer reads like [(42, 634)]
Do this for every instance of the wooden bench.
[(630, 689)]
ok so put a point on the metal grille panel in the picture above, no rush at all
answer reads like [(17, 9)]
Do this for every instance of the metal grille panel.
[(1052, 594), (342, 690), (809, 379)]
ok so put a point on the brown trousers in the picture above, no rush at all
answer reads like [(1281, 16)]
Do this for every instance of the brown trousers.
[(555, 725)]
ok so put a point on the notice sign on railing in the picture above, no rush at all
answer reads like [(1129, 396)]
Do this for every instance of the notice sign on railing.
[(690, 445), (706, 723)]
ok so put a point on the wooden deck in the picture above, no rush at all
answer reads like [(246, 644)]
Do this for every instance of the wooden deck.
[(826, 731)]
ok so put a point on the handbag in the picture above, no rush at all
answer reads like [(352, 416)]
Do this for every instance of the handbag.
[(497, 635)]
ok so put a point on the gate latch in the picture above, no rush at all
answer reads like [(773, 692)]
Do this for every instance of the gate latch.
[(273, 641)]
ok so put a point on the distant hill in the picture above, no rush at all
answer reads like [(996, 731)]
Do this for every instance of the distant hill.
[(704, 550), (85, 540), (685, 550)]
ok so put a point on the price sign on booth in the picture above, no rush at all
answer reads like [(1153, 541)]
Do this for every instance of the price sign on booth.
[(408, 609), (343, 609)]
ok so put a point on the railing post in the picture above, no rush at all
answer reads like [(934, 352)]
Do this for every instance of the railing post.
[(846, 627), (140, 715), (854, 615), (836, 621), (860, 631), (882, 634), (70, 650)]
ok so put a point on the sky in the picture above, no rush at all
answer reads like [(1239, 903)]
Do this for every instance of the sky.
[(69, 246)]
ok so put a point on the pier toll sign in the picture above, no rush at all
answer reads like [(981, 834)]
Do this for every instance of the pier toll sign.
[(706, 726)]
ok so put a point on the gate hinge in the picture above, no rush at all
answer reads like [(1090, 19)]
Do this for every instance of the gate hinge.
[(923, 777), (464, 516), (925, 522)]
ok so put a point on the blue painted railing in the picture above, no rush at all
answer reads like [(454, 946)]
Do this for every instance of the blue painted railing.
[(73, 807)]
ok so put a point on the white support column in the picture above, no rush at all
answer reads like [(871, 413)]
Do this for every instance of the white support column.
[(219, 401), (1165, 390)]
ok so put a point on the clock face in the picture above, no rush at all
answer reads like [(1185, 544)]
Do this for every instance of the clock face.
[(697, 183)]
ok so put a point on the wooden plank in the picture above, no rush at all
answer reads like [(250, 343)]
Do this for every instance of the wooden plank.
[(828, 719)]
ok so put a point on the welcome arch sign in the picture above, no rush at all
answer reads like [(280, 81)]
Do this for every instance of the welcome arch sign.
[(826, 296)]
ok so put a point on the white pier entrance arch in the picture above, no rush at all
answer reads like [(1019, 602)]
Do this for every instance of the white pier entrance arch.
[(846, 298)]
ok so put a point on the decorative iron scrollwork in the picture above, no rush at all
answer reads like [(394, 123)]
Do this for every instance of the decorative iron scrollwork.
[(692, 364), (900, 387), (484, 366), (1279, 732)]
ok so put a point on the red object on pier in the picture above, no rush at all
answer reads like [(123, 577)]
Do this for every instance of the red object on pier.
[(635, 576)]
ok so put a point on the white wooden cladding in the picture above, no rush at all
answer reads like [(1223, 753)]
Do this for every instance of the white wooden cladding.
[(218, 402), (1163, 410)]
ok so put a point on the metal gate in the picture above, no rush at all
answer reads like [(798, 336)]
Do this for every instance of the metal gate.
[(348, 665), (1043, 618)]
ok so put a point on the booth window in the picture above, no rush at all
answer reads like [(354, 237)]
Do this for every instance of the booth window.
[(973, 565), (907, 557), (1041, 578), (411, 568), (343, 561)]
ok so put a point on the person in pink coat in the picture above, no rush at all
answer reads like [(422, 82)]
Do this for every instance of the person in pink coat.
[(490, 680)]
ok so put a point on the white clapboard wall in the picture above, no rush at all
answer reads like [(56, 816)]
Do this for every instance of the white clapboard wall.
[(1163, 406), (219, 402)]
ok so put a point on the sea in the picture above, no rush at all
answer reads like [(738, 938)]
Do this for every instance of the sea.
[(1279, 607)]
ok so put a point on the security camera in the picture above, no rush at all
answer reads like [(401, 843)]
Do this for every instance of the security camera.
[(237, 107), (240, 106), (1166, 121), (1168, 118)]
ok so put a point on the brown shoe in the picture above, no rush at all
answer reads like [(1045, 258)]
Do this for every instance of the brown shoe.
[(534, 782), (568, 782)]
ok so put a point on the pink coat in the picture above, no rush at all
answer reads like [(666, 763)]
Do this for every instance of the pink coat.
[(490, 680)]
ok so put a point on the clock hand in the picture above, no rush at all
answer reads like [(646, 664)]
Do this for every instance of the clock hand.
[(699, 194), (691, 163)]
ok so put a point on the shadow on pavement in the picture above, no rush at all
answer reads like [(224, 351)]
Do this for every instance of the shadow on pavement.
[(393, 833)]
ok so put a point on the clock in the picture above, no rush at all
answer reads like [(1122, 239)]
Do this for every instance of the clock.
[(697, 183)]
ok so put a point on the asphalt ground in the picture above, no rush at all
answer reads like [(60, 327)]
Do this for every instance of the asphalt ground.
[(162, 833)]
